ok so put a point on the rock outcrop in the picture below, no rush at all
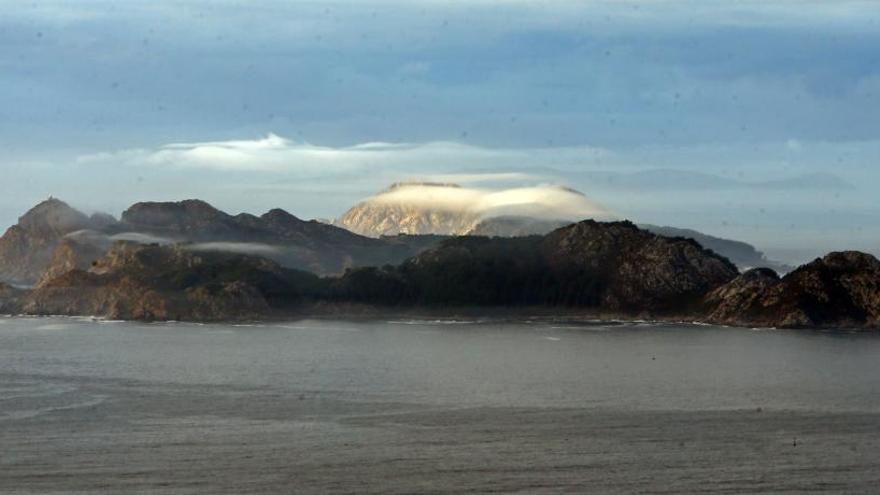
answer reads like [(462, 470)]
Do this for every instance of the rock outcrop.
[(742, 254), (642, 271), (27, 247), (278, 235), (71, 254), (53, 238), (151, 282), (600, 268), (448, 209), (387, 215), (841, 289), (612, 267), (608, 267)]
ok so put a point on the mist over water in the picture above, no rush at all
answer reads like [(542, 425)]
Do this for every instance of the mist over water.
[(396, 406)]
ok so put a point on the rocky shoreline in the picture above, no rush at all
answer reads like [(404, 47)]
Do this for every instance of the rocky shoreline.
[(590, 270)]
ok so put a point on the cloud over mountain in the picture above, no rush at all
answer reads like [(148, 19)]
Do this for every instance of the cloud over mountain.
[(438, 208)]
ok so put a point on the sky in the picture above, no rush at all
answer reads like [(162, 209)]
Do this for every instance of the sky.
[(755, 120)]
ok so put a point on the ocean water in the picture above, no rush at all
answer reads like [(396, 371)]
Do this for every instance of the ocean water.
[(434, 407)]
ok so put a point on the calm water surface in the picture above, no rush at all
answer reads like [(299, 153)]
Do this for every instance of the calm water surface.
[(442, 407)]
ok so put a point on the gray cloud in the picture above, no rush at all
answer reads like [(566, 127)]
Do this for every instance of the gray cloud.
[(102, 239), (234, 247)]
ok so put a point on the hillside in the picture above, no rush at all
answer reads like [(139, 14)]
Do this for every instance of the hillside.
[(841, 289), (744, 255), (607, 266), (610, 269), (449, 209), (149, 282), (53, 238), (27, 247)]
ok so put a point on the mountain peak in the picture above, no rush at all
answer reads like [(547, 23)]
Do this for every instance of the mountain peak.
[(26, 248), (171, 213), (276, 215), (450, 209), (53, 216)]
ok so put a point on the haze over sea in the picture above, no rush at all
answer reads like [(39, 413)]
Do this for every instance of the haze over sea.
[(436, 407)]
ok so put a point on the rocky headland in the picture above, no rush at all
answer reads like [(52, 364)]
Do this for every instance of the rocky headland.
[(189, 261), (841, 289), (53, 238)]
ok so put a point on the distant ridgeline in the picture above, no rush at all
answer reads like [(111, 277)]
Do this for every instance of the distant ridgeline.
[(744, 255), (189, 261), (54, 236), (449, 209)]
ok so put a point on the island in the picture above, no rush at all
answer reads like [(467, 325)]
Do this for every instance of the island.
[(189, 261)]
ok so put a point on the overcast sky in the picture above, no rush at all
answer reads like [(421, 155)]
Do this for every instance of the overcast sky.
[(756, 120)]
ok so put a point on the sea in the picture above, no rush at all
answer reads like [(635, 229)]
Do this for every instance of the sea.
[(390, 406)]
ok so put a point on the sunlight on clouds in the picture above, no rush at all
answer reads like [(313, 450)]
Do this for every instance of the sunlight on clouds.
[(546, 202), (274, 153)]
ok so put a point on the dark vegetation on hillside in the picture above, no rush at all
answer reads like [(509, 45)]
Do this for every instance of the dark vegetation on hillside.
[(611, 268)]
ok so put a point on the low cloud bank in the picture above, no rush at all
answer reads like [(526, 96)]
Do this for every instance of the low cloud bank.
[(103, 240), (234, 247), (141, 238)]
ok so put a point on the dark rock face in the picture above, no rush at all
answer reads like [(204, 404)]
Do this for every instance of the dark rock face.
[(742, 254), (68, 255), (295, 243), (612, 268), (608, 266), (187, 218), (26, 248), (134, 281), (840, 290), (9, 299), (53, 238), (642, 270)]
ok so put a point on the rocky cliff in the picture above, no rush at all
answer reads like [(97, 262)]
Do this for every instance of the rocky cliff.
[(599, 268), (150, 282), (71, 254), (641, 270), (840, 290), (742, 254), (386, 214), (27, 247), (53, 238), (605, 266), (278, 235), (449, 209), (610, 267)]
